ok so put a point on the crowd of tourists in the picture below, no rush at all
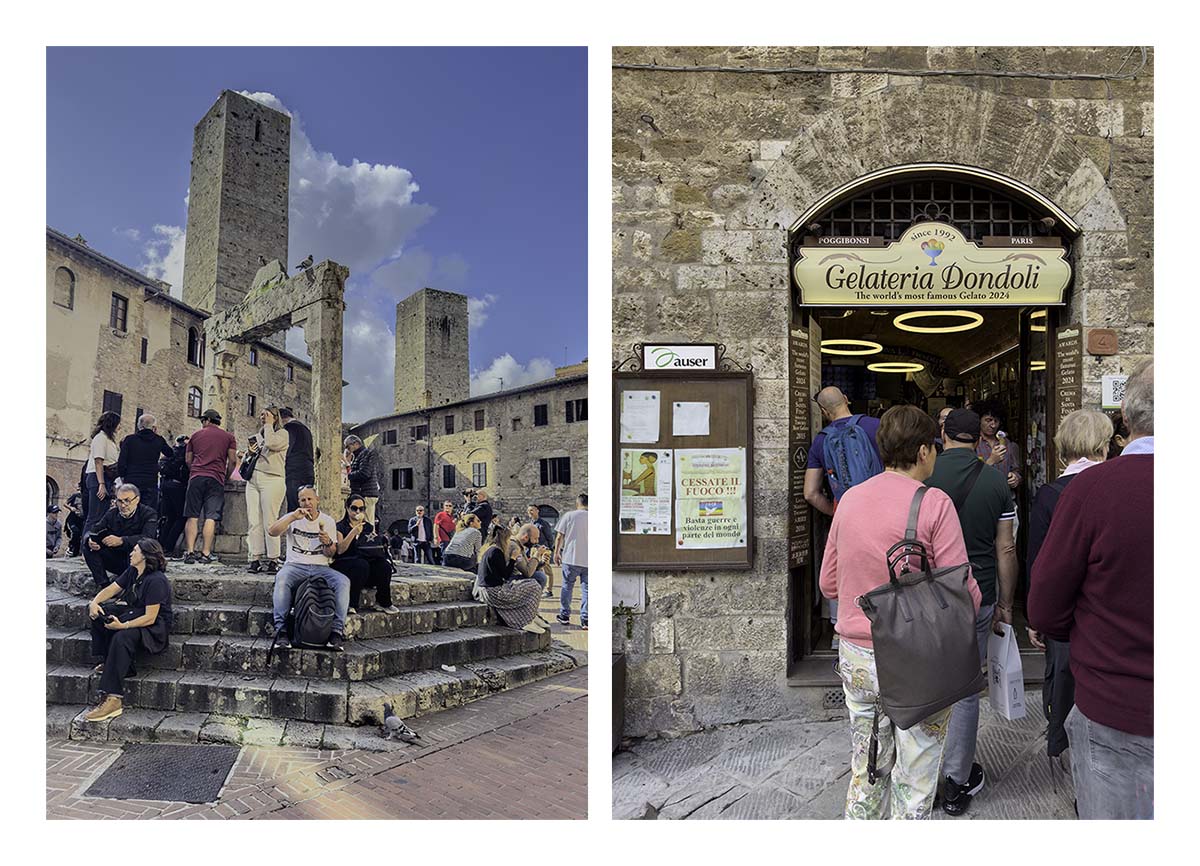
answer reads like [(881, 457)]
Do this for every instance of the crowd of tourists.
[(114, 523), (924, 531)]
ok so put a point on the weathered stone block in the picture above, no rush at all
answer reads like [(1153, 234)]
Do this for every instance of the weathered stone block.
[(158, 690), (302, 735), (700, 278), (180, 727), (722, 247), (263, 732), (325, 702), (654, 676), (134, 725), (221, 729)]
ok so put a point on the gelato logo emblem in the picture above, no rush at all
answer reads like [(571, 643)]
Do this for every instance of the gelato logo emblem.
[(933, 248)]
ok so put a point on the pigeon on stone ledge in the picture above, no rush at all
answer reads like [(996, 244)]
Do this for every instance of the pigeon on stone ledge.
[(393, 725), (262, 262), (306, 264)]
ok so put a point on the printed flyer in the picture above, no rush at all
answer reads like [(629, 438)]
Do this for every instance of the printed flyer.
[(710, 498), (645, 492)]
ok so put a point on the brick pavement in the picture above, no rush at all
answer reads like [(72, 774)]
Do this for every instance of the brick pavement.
[(517, 754)]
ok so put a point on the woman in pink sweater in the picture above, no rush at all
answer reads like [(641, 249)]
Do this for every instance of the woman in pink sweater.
[(870, 518)]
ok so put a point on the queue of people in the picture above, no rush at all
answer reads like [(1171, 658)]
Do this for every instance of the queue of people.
[(1089, 606)]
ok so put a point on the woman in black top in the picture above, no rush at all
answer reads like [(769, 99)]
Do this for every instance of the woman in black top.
[(143, 624), (363, 571), (505, 583)]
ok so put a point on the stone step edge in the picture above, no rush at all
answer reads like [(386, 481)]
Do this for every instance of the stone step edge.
[(163, 726), (186, 611)]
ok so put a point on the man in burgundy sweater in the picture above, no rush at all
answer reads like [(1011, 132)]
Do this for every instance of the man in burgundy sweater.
[(1094, 580)]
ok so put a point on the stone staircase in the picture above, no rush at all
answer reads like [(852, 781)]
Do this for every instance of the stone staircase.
[(213, 683)]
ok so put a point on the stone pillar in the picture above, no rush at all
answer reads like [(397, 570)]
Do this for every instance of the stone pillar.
[(322, 322), (223, 356)]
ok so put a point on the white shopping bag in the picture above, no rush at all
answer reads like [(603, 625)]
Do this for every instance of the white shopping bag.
[(1006, 678)]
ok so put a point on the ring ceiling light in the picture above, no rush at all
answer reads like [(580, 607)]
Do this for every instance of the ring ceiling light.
[(896, 367), (846, 347), (973, 320), (1039, 314)]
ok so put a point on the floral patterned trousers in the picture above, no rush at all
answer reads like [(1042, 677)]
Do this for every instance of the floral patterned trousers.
[(908, 761)]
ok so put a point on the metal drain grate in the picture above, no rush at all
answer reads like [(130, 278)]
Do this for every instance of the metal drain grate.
[(832, 699), (156, 771)]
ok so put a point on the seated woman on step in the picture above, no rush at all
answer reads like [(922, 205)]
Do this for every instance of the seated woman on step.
[(462, 551), (142, 623), (362, 557), (504, 583)]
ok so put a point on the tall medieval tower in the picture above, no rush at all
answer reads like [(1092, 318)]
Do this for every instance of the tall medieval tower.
[(432, 363), (238, 204)]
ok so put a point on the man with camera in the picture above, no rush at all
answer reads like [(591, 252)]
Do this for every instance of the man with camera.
[(312, 542), (481, 508), (526, 539)]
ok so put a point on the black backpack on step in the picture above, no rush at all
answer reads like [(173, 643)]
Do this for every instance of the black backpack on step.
[(310, 623)]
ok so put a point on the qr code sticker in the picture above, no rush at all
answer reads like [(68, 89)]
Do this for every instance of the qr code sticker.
[(1118, 390)]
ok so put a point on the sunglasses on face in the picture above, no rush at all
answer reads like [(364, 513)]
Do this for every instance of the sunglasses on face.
[(357, 508), (128, 501)]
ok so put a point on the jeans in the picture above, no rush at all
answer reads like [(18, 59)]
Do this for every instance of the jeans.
[(569, 574), (295, 573), (422, 552), (96, 506), (964, 721), (540, 577), (1113, 770), (907, 764)]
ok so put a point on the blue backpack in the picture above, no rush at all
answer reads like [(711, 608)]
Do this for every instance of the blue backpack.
[(849, 456)]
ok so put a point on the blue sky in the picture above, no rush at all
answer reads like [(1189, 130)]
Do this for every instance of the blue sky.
[(475, 180)]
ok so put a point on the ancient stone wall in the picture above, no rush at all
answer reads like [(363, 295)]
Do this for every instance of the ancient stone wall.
[(710, 169), (509, 445)]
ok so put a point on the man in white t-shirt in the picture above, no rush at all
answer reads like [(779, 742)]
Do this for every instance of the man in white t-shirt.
[(570, 551), (312, 540)]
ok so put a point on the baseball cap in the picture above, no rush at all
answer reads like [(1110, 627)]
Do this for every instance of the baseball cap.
[(211, 415), (962, 425), (180, 439), (52, 509)]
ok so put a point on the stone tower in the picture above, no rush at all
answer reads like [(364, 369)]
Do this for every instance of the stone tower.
[(432, 363), (238, 204)]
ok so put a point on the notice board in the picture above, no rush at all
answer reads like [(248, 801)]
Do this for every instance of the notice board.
[(683, 470)]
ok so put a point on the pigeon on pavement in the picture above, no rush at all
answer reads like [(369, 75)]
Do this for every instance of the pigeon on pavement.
[(393, 725)]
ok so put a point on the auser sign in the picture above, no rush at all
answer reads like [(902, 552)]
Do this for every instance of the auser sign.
[(932, 263), (680, 357)]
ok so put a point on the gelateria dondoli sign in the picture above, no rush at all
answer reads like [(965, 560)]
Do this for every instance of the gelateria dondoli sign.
[(931, 264)]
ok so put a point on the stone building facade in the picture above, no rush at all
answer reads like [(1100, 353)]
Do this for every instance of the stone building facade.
[(711, 168), (152, 363), (523, 445)]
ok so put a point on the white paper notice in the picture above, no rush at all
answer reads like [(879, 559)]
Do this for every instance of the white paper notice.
[(639, 416), (691, 419)]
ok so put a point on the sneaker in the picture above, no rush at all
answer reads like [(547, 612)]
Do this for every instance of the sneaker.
[(565, 620), (206, 558), (391, 608), (280, 637), (256, 566), (583, 626), (548, 594), (351, 612), (189, 558), (337, 642), (109, 708), (534, 627), (272, 566), (956, 798)]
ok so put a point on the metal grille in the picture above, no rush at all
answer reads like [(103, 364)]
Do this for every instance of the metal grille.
[(888, 211)]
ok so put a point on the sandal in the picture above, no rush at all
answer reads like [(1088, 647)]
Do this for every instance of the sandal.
[(98, 669)]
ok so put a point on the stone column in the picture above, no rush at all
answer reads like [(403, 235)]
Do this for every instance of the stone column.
[(223, 356), (322, 322)]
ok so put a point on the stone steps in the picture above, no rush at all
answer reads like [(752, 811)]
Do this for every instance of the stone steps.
[(232, 585), (67, 611), (360, 660), (180, 706)]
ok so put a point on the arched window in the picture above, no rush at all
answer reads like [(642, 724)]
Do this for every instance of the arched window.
[(194, 400), (51, 492), (64, 288), (195, 353), (549, 514)]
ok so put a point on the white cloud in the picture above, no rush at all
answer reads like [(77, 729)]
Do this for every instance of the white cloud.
[(477, 310), (368, 364), (513, 374), (164, 257), (128, 234)]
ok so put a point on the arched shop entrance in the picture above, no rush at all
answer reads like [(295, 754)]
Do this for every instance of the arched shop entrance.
[(933, 285)]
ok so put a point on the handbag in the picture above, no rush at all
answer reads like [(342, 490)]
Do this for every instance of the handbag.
[(923, 629), (246, 467)]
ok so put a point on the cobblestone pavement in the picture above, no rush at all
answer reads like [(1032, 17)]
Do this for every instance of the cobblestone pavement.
[(517, 754), (572, 635), (792, 769)]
